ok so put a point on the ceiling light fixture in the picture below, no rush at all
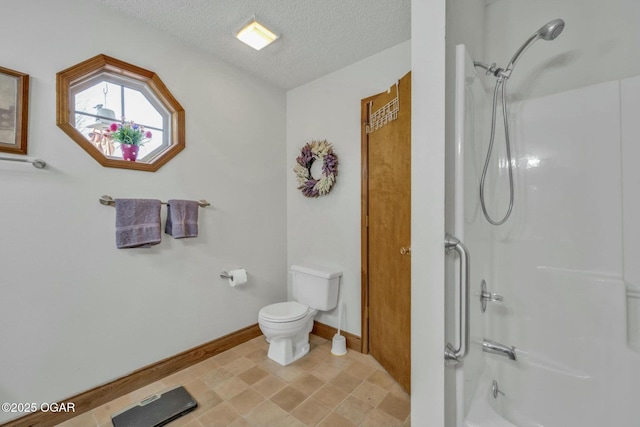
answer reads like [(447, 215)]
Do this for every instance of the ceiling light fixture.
[(256, 35)]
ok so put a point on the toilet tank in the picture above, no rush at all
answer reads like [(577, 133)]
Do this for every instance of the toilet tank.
[(315, 288)]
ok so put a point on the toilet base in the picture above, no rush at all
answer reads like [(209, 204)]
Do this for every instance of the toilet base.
[(283, 351), (286, 350)]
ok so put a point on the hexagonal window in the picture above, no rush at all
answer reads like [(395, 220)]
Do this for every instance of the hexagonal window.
[(121, 114)]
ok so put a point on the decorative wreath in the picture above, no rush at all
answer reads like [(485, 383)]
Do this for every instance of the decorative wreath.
[(313, 150)]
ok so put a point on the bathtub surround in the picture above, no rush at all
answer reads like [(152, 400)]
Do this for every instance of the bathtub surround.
[(558, 262)]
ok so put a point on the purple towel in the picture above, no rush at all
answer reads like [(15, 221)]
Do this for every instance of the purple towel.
[(182, 218), (137, 223)]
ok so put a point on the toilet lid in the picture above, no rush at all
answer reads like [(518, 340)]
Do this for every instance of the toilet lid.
[(284, 311)]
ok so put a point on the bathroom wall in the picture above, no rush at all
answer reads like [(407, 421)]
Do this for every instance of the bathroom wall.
[(75, 311), (465, 25), (326, 231), (428, 390), (599, 43)]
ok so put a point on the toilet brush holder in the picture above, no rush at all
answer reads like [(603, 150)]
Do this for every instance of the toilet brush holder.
[(339, 345)]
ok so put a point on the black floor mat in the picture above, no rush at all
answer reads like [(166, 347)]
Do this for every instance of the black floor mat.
[(156, 410)]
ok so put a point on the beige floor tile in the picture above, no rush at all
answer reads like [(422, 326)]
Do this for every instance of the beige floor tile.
[(245, 348), (369, 393), (308, 384), (253, 375), (220, 416), (309, 363), (205, 367), (346, 382), (396, 405), (354, 409), (267, 414), (381, 379), (179, 378), (216, 377), (269, 386), (245, 401), (326, 372), (207, 400), (84, 420), (239, 365), (378, 418), (241, 422), (226, 357), (360, 370), (257, 355), (196, 387), (288, 398), (289, 373), (330, 395), (260, 342), (241, 387), (230, 388), (336, 420), (311, 412)]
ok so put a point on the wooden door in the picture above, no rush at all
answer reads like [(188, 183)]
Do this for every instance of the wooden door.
[(386, 230)]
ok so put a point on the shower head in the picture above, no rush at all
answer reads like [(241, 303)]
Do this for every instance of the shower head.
[(551, 30), (548, 31)]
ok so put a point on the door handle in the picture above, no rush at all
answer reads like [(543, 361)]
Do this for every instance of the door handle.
[(405, 251), (452, 355)]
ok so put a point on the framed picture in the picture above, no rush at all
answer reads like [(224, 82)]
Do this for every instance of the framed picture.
[(14, 107)]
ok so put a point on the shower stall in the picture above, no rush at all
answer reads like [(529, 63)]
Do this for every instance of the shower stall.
[(553, 294)]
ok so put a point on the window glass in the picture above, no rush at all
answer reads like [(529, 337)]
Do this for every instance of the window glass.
[(103, 92)]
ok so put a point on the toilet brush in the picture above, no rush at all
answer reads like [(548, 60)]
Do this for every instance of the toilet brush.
[(339, 343)]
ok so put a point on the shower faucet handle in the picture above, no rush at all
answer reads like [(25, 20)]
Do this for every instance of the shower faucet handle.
[(492, 297), (486, 296)]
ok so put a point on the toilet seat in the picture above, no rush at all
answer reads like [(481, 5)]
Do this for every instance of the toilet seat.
[(283, 312)]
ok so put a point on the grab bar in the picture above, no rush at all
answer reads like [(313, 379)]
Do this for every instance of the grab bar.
[(452, 355)]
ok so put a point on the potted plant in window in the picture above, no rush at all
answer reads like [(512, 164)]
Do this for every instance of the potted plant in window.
[(131, 136)]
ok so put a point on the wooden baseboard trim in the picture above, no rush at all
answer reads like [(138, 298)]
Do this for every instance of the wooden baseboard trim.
[(100, 395), (327, 332)]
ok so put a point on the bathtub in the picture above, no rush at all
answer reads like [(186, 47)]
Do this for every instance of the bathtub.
[(584, 374)]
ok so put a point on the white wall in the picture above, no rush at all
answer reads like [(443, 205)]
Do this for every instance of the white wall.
[(325, 231), (465, 25), (77, 312), (428, 19)]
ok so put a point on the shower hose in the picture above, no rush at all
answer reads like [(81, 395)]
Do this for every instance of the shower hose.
[(501, 85)]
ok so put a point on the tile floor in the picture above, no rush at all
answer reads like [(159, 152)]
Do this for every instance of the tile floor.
[(242, 387)]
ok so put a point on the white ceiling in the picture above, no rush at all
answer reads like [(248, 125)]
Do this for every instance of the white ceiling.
[(317, 37)]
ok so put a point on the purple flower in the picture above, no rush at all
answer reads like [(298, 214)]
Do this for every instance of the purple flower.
[(148, 134)]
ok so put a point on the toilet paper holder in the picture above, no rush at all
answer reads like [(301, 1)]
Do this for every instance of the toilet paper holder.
[(226, 275)]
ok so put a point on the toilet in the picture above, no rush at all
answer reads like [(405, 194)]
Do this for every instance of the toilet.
[(286, 325)]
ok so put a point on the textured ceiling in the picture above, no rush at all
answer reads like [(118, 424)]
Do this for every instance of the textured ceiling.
[(317, 37)]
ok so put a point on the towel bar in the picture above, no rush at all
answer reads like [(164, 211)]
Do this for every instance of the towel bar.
[(37, 163), (108, 201)]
